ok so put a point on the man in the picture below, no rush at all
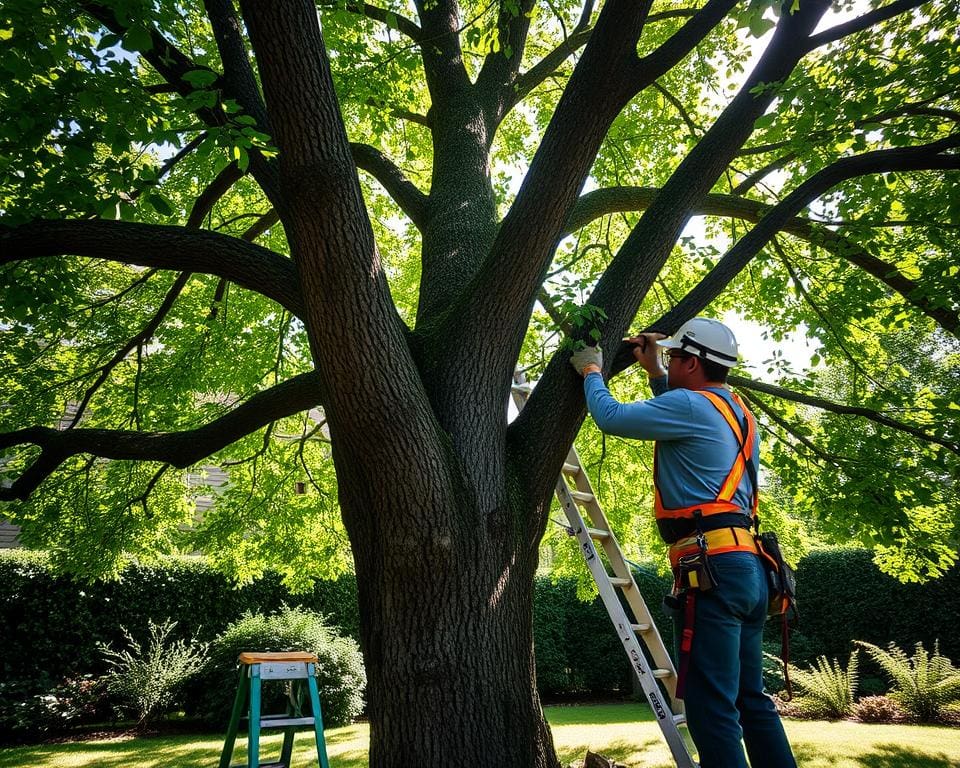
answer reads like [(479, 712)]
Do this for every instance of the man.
[(705, 468)]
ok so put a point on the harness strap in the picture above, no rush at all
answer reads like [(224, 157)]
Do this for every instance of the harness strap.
[(686, 641), (745, 437), (785, 653)]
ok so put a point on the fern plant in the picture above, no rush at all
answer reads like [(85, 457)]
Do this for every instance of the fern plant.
[(925, 686), (827, 690)]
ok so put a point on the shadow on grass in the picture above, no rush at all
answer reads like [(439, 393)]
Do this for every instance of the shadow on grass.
[(894, 756), (618, 751)]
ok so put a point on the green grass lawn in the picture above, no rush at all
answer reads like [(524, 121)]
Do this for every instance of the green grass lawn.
[(625, 732)]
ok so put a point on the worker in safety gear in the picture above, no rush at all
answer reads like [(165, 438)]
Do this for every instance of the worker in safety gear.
[(705, 467)]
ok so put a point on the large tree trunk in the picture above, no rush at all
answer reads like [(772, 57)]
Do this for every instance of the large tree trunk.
[(445, 593)]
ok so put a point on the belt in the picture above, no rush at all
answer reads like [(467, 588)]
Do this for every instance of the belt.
[(717, 541)]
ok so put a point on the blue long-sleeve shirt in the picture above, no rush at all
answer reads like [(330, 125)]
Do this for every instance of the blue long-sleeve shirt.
[(695, 446)]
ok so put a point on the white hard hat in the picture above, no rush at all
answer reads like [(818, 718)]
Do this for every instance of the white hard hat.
[(706, 338)]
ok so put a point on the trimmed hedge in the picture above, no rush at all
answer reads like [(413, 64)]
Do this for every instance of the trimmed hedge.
[(843, 597), (50, 625)]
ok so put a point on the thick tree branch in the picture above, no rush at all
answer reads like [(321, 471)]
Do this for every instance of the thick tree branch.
[(634, 269), (656, 63), (861, 23), (440, 49), (391, 19), (935, 156), (843, 409), (237, 73), (601, 202), (403, 191), (374, 394), (251, 266), (583, 116), (527, 234), (500, 67), (181, 449)]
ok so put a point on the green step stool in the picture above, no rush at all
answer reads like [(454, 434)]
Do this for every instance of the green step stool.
[(296, 666)]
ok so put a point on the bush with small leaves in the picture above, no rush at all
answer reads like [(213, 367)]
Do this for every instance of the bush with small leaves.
[(148, 680), (877, 709), (340, 675), (827, 690), (75, 701), (925, 686)]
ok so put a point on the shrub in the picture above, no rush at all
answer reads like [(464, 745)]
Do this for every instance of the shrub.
[(76, 701), (827, 689), (874, 606), (788, 707), (925, 685), (147, 681), (877, 709), (340, 675)]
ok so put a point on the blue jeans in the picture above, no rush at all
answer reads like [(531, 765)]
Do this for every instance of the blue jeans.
[(724, 695)]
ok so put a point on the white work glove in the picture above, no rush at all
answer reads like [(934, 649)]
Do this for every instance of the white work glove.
[(586, 357)]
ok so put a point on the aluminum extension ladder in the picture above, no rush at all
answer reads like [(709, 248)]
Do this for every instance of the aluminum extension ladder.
[(637, 632)]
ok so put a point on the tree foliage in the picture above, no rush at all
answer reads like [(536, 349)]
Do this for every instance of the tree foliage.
[(314, 254)]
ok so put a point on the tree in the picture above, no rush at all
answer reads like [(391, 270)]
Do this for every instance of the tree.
[(192, 260)]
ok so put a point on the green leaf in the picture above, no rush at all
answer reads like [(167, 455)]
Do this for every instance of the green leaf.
[(160, 204), (200, 78), (138, 39)]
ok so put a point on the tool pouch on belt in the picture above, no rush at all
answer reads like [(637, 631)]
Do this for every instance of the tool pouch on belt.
[(781, 578), (693, 572)]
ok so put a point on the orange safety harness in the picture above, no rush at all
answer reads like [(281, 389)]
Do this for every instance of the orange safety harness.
[(718, 540), (724, 500)]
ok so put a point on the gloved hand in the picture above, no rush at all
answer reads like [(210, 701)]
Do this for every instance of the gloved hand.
[(588, 356)]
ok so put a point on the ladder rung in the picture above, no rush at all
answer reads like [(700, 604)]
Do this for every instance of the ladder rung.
[(598, 533), (680, 719), (583, 496), (623, 583), (640, 627), (660, 674), (571, 469), (284, 722)]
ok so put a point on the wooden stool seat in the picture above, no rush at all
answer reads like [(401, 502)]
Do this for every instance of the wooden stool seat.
[(249, 657)]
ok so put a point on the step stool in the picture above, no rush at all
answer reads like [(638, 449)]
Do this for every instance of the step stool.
[(296, 666)]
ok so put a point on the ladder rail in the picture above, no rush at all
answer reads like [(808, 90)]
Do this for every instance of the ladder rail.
[(666, 719), (634, 634), (623, 575)]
